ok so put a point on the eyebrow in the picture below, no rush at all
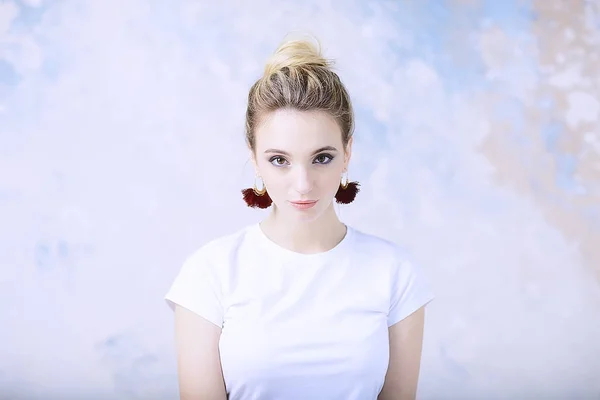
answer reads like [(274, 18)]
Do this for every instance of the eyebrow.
[(326, 148)]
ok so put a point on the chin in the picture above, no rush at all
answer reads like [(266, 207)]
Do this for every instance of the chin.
[(308, 215)]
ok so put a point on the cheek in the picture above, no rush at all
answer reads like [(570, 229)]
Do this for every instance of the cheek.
[(332, 179), (272, 178), (335, 183)]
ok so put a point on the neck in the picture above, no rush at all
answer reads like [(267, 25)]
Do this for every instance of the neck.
[(308, 237)]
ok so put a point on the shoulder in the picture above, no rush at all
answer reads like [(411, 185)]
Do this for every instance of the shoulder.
[(386, 256), (198, 286), (407, 287), (377, 247), (217, 249)]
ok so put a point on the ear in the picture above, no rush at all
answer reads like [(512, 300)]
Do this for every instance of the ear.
[(348, 153), (252, 158)]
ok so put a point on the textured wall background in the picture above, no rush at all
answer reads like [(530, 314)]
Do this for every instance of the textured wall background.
[(121, 151)]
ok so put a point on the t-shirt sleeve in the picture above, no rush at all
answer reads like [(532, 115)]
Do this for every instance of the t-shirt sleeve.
[(410, 291), (197, 289)]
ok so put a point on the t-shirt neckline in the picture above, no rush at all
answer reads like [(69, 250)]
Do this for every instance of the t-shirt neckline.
[(267, 242)]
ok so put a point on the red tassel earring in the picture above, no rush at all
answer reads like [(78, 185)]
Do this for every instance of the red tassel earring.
[(257, 198), (347, 191)]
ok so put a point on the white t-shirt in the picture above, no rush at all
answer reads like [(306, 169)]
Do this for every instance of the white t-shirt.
[(301, 326)]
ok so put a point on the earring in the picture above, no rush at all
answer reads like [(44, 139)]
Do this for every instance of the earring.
[(347, 191), (256, 198)]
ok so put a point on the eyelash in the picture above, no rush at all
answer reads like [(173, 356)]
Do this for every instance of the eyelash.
[(329, 156)]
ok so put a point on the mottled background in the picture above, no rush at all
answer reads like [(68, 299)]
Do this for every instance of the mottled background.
[(477, 145)]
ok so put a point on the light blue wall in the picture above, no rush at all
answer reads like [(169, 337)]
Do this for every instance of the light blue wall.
[(477, 146)]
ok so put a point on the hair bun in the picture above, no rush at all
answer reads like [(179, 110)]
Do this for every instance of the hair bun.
[(296, 53)]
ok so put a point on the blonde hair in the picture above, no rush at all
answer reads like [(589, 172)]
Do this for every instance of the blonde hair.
[(298, 77)]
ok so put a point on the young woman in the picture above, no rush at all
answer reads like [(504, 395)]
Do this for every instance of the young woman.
[(300, 305)]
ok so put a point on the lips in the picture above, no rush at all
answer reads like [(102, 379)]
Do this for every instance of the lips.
[(303, 204)]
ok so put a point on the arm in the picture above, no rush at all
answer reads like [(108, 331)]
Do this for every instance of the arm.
[(406, 343), (198, 361)]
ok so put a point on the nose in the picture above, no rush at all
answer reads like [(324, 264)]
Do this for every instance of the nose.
[(303, 183)]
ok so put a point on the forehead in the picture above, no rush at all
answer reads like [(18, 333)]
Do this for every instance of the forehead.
[(298, 131)]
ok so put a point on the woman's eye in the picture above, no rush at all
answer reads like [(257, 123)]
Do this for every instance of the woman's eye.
[(277, 161), (323, 159)]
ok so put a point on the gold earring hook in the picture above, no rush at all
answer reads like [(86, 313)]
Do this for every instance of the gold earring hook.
[(261, 191), (344, 184)]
